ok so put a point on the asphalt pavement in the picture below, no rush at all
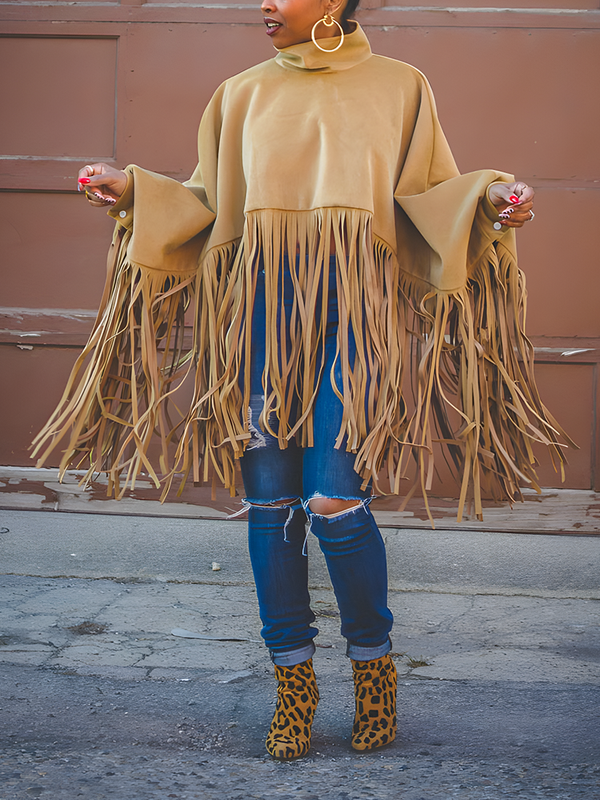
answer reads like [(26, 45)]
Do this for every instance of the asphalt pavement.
[(131, 666)]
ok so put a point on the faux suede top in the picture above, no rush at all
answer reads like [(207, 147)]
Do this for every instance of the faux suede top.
[(307, 131), (303, 155)]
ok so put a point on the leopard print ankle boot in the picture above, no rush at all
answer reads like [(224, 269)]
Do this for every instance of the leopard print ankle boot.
[(297, 698), (375, 694)]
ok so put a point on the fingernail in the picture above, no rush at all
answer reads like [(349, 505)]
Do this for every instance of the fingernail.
[(111, 200), (514, 199), (83, 180)]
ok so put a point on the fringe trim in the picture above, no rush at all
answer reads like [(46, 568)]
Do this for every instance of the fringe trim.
[(472, 362), (470, 365), (368, 305), (114, 403)]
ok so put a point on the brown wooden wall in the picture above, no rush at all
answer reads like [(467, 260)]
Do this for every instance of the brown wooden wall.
[(517, 90)]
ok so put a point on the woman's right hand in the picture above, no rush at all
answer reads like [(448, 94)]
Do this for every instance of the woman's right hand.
[(102, 184)]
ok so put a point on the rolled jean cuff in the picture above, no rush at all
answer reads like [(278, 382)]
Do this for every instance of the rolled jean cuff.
[(357, 653), (289, 658)]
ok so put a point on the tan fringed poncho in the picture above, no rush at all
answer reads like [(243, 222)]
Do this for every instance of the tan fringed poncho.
[(307, 154)]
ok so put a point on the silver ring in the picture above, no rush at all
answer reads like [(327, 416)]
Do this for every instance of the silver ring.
[(93, 196), (531, 215)]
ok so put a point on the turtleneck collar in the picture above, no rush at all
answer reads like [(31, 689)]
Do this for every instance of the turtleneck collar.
[(306, 57)]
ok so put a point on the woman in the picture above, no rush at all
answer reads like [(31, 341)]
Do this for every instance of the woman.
[(324, 232)]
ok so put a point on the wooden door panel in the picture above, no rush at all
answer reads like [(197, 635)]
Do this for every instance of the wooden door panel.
[(493, 4), (560, 261), (569, 393), (60, 99), (542, 126), (171, 75), (54, 250), (37, 380)]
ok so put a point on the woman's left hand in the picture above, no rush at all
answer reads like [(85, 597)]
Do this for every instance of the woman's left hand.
[(514, 202)]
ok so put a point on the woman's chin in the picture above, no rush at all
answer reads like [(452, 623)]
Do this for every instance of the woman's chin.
[(282, 38)]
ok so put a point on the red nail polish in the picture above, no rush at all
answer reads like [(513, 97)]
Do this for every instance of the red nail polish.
[(514, 199), (83, 180)]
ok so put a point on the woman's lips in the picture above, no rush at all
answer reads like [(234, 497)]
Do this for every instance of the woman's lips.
[(272, 26)]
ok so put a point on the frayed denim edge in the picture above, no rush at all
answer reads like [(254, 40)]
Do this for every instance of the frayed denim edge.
[(275, 505), (361, 503)]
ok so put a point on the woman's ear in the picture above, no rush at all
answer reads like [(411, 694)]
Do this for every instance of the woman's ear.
[(336, 7)]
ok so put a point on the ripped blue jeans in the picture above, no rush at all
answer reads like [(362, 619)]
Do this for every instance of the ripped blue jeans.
[(350, 541)]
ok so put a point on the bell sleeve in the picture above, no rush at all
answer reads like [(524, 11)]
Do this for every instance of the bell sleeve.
[(141, 352), (471, 363)]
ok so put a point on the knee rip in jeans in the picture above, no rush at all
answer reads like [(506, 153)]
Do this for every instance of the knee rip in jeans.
[(291, 504), (357, 504), (361, 503)]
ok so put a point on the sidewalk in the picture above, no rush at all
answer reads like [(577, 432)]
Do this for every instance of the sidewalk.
[(572, 511), (497, 638)]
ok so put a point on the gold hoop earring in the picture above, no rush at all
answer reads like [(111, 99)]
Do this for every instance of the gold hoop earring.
[(328, 25)]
